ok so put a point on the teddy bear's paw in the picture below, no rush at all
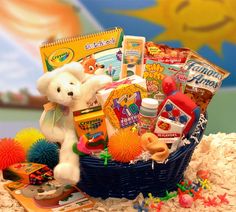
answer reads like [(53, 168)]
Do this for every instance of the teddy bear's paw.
[(67, 173), (104, 80)]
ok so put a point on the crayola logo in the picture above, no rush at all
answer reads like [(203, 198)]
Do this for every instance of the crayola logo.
[(60, 57)]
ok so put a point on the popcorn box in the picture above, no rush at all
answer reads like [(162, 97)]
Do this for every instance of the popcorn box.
[(121, 102), (29, 173)]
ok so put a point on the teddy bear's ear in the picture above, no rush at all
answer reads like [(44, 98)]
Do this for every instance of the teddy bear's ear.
[(76, 69), (43, 81)]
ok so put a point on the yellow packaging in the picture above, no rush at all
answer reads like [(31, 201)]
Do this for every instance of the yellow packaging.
[(90, 121), (133, 54), (60, 52), (22, 171)]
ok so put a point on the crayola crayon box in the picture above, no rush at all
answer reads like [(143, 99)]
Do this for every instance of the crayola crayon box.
[(99, 53), (29, 173), (90, 122)]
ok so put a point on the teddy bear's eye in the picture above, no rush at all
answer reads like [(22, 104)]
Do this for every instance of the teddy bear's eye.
[(71, 83), (58, 89)]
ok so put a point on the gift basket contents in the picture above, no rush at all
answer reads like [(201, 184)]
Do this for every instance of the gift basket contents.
[(141, 110)]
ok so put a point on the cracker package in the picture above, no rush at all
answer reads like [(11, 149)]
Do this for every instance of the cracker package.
[(203, 81)]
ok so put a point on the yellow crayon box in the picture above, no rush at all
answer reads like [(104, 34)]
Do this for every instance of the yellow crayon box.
[(91, 122), (27, 173)]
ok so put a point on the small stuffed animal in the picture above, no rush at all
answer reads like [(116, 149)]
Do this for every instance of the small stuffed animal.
[(68, 88)]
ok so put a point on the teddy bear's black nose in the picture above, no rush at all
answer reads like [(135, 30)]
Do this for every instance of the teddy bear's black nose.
[(70, 93)]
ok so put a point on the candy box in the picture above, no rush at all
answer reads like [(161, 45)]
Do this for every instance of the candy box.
[(29, 173), (121, 102), (90, 122), (169, 131)]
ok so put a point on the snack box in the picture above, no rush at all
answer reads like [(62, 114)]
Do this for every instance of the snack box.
[(169, 131), (29, 173), (121, 102)]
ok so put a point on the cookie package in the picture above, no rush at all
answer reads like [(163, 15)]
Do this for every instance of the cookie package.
[(204, 80)]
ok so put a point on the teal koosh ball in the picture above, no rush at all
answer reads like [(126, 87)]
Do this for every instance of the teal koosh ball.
[(44, 152)]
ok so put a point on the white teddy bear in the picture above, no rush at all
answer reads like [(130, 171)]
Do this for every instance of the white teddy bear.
[(69, 89)]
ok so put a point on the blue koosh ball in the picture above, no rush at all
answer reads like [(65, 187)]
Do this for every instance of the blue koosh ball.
[(44, 152)]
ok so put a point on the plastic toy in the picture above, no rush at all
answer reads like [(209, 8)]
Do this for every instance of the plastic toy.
[(168, 196), (178, 107), (140, 207), (151, 199), (197, 194), (204, 183), (185, 201), (11, 152), (28, 136), (210, 202), (124, 145), (157, 207), (223, 199), (203, 174), (81, 145), (44, 152), (106, 156)]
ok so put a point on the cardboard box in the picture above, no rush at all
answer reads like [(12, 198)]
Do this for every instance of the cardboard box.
[(121, 102), (27, 173), (90, 121)]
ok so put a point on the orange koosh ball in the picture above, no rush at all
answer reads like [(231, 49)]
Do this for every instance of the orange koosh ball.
[(124, 145), (10, 152)]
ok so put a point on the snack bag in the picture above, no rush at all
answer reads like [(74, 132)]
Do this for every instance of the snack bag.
[(165, 54), (154, 74), (203, 81)]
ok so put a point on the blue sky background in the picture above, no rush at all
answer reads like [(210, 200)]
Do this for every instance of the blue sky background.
[(20, 69)]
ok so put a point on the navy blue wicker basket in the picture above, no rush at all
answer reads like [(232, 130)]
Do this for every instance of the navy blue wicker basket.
[(128, 180)]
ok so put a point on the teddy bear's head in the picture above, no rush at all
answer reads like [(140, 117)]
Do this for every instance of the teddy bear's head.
[(62, 85)]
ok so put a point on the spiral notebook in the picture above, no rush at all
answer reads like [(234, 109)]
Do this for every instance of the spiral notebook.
[(56, 54)]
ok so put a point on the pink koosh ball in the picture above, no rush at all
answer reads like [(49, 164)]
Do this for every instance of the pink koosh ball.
[(185, 201), (168, 85)]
